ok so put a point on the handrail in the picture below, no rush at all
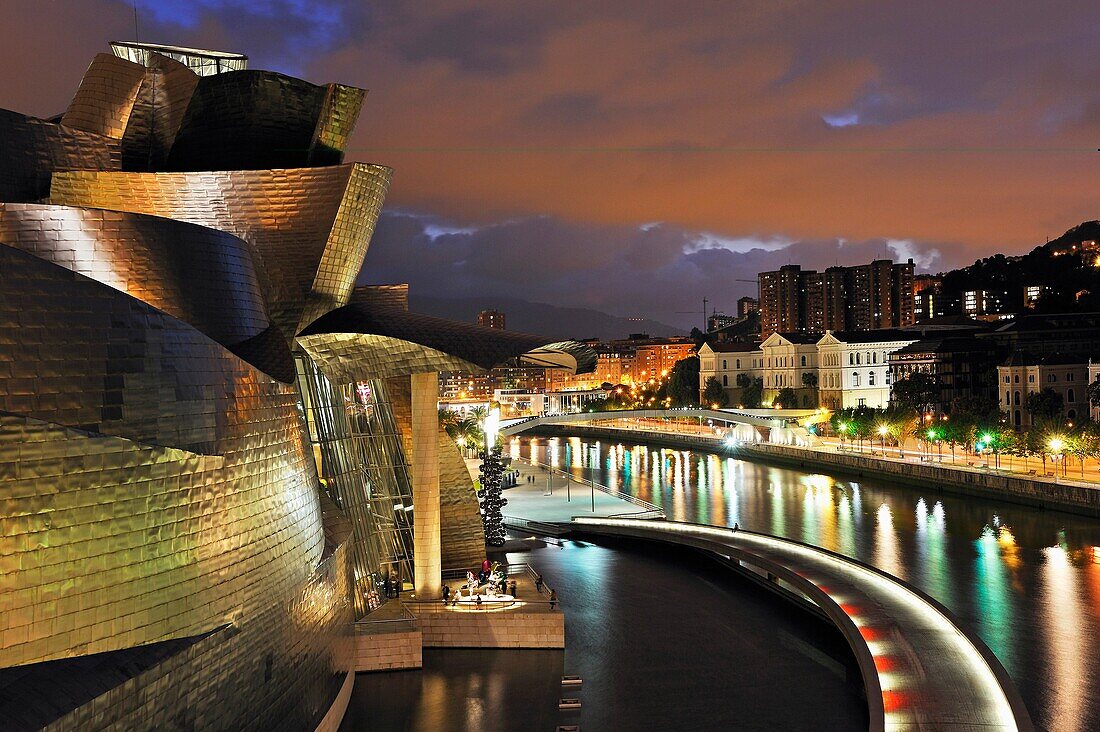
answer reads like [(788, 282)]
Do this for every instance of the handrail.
[(614, 492), (366, 626)]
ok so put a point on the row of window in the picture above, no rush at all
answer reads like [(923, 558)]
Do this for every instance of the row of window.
[(1071, 397), (1051, 378)]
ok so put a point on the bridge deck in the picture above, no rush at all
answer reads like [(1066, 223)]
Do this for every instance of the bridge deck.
[(754, 417), (920, 670)]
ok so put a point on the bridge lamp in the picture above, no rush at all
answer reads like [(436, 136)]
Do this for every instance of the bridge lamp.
[(731, 441), (1056, 444)]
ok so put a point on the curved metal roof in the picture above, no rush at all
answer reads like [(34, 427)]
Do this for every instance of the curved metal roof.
[(376, 340)]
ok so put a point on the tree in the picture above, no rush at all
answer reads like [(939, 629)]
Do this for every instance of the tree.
[(743, 382), (917, 391), (753, 393), (682, 388), (1044, 405), (809, 378), (699, 337), (489, 496), (714, 393), (1094, 393), (785, 399)]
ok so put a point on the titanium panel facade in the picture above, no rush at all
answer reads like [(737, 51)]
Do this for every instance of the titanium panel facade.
[(106, 96), (31, 149), (309, 227)]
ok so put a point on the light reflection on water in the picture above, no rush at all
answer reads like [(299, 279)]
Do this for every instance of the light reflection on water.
[(1026, 580)]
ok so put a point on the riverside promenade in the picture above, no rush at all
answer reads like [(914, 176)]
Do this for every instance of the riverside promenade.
[(1051, 492)]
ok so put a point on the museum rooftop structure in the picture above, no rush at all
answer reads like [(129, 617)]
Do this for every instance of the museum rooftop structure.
[(215, 450)]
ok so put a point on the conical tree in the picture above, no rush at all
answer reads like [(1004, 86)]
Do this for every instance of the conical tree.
[(490, 498)]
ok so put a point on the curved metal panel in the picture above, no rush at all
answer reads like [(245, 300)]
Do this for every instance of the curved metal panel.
[(162, 101), (262, 119), (440, 344), (106, 96), (309, 227), (201, 276), (31, 149)]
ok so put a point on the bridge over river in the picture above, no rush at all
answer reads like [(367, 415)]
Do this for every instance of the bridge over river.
[(920, 669), (761, 421)]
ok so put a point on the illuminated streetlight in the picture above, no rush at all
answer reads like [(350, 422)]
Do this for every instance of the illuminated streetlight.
[(883, 430)]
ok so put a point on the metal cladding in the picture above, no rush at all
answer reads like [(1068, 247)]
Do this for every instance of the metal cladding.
[(379, 341), (162, 510), (309, 227), (262, 119), (201, 276), (31, 149)]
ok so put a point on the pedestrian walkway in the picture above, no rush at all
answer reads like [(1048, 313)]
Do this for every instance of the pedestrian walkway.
[(553, 499), (920, 669)]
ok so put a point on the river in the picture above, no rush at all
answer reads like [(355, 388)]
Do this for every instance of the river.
[(1026, 580)]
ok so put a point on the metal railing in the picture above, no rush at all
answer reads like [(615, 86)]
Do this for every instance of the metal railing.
[(646, 506), (537, 527), (404, 624)]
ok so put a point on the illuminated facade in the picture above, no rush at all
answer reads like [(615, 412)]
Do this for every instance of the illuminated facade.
[(192, 500)]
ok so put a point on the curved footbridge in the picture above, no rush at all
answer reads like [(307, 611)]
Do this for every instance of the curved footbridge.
[(919, 668)]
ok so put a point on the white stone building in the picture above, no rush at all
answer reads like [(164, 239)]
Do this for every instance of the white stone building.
[(790, 361), (1022, 374), (854, 367)]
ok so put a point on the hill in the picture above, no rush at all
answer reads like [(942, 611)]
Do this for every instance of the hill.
[(543, 319)]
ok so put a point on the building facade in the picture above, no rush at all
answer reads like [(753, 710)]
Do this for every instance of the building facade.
[(791, 362), (1023, 374), (864, 297), (732, 364), (200, 499), (854, 367)]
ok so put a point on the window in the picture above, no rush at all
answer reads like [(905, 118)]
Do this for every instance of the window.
[(857, 360), (855, 378), (1006, 378), (1030, 379), (1069, 396), (870, 378), (725, 380), (887, 378), (1016, 398), (1069, 377), (874, 357), (1008, 399), (737, 363), (851, 359), (803, 360), (724, 366), (1015, 378), (1051, 378)]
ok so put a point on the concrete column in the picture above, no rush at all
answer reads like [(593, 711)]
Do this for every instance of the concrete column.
[(425, 485)]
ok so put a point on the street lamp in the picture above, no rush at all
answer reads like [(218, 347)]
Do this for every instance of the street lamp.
[(1057, 445), (932, 435), (882, 432)]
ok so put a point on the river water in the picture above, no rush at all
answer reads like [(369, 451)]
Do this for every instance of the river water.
[(1026, 580)]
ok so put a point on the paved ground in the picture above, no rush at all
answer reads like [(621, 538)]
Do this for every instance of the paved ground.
[(566, 499)]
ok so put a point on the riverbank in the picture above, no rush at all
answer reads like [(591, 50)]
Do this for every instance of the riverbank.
[(1055, 494)]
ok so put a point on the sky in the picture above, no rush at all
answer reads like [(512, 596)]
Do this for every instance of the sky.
[(634, 156)]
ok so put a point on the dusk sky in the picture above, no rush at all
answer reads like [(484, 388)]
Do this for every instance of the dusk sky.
[(635, 156)]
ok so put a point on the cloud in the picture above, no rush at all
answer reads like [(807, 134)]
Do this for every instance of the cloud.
[(658, 271), (551, 133)]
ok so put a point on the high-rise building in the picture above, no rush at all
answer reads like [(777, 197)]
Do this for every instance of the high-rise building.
[(746, 305), (780, 299), (864, 297), (491, 319)]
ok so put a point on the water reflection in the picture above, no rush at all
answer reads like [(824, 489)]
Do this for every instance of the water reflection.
[(1026, 580)]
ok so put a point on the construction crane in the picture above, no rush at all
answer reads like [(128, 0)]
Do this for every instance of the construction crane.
[(693, 312)]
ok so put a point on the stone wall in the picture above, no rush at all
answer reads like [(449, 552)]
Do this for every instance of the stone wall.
[(446, 629), (388, 651)]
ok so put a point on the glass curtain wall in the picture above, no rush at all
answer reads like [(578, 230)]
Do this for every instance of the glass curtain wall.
[(362, 466)]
